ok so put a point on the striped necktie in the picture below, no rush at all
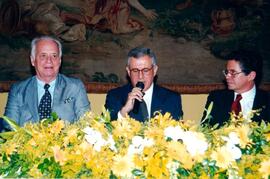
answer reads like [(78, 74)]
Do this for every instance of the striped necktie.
[(236, 106)]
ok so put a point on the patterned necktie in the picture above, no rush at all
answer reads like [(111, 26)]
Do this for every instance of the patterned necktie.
[(44, 108), (236, 106), (143, 109)]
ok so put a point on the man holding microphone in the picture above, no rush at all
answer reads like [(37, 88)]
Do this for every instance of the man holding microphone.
[(141, 98)]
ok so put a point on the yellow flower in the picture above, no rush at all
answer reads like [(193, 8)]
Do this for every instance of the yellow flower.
[(267, 135), (74, 164), (156, 165), (100, 163), (84, 146), (32, 142), (98, 126), (123, 165), (10, 148), (35, 172), (243, 133), (177, 151), (155, 133), (138, 161), (163, 121), (164, 158), (222, 157), (59, 155), (265, 168), (57, 126), (71, 136)]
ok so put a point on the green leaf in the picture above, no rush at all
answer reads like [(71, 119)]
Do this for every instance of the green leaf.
[(84, 172), (112, 176), (7, 135), (54, 116), (208, 111), (17, 166), (50, 168), (137, 172), (12, 123), (14, 126), (183, 172)]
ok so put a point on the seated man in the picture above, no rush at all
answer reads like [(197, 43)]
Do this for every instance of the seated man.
[(243, 74), (131, 98), (48, 91)]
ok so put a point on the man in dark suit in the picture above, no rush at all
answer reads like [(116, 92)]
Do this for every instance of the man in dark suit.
[(128, 99), (243, 74), (65, 96)]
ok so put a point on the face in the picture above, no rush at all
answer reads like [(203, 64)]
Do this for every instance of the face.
[(141, 69), (240, 82), (46, 61)]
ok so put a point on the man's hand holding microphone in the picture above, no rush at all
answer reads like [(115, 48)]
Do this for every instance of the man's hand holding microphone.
[(133, 100)]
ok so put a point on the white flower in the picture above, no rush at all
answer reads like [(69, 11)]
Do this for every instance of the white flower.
[(175, 133), (138, 144), (111, 142), (233, 138), (234, 150), (95, 138), (232, 141), (195, 143)]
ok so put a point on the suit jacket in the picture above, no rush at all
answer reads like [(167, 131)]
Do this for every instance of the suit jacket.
[(223, 99), (70, 100), (163, 100)]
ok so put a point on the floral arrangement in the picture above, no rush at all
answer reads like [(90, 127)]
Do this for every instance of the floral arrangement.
[(160, 148)]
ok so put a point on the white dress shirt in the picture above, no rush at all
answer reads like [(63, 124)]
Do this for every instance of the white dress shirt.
[(41, 90), (247, 101), (148, 98)]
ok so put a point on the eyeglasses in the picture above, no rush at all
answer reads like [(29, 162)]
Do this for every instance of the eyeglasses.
[(231, 73), (144, 70)]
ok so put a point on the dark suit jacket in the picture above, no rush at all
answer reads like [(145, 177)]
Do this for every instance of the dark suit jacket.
[(70, 100), (163, 100), (223, 99)]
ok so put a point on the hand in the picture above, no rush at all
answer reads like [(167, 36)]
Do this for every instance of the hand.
[(136, 93), (150, 14)]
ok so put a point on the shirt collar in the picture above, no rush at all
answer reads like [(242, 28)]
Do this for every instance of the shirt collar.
[(247, 94), (41, 83), (149, 92), (148, 98)]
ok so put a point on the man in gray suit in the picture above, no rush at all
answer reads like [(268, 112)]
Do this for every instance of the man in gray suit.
[(63, 95)]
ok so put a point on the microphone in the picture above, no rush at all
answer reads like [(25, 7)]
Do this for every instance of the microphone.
[(137, 102), (140, 85)]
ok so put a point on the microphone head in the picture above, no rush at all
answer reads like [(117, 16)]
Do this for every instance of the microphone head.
[(140, 85)]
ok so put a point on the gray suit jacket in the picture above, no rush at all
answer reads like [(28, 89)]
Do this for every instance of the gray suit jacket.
[(70, 100)]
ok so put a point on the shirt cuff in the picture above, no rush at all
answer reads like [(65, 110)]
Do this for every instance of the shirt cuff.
[(119, 115)]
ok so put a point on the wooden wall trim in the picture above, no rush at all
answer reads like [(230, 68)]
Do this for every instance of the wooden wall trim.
[(99, 88)]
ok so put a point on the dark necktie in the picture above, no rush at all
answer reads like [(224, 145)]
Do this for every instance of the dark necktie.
[(44, 108), (143, 109), (236, 106)]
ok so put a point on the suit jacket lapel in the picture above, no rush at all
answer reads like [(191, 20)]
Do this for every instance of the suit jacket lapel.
[(257, 100), (230, 100), (31, 97), (155, 104), (58, 91)]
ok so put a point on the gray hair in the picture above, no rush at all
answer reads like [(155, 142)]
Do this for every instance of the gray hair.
[(140, 52), (36, 40)]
